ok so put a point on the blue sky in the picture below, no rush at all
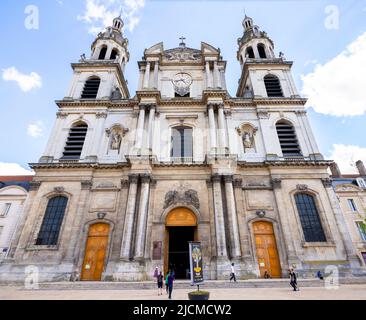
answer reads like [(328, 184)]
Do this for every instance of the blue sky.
[(313, 34)]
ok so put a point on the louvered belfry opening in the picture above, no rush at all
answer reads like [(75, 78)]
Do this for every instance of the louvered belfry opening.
[(288, 140), (75, 142), (91, 88), (273, 86)]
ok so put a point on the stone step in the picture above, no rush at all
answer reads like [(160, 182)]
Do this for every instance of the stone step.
[(179, 284)]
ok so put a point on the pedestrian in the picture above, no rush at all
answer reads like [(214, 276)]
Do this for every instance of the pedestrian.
[(166, 282), (232, 275), (267, 275), (170, 284), (156, 273), (160, 279), (319, 274), (293, 280)]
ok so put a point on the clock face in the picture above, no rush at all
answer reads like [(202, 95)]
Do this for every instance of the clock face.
[(182, 80)]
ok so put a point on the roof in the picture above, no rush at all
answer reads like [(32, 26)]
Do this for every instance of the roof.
[(21, 181)]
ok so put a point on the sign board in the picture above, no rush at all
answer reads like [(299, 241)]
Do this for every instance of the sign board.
[(196, 263)]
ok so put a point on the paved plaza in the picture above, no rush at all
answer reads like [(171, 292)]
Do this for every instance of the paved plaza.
[(344, 292)]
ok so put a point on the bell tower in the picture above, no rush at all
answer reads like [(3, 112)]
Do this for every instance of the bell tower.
[(101, 76), (263, 75)]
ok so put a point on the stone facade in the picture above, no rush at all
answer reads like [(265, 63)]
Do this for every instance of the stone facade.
[(235, 176)]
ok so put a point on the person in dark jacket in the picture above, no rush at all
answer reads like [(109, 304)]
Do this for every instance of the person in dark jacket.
[(166, 282), (293, 279), (160, 279), (170, 284)]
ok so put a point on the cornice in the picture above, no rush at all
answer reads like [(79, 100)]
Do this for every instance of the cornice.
[(130, 103), (80, 165), (286, 163)]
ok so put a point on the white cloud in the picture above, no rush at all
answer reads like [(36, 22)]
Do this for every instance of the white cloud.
[(337, 88), (100, 13), (13, 169), (25, 82), (35, 129), (346, 156)]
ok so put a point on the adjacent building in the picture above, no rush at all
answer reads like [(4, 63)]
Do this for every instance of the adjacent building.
[(13, 195), (126, 182), (351, 193)]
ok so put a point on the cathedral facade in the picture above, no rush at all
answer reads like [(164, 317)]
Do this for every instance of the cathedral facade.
[(126, 182)]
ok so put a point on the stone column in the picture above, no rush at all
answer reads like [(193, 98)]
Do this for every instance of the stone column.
[(156, 74), (222, 128), (147, 76), (217, 76), (101, 117), (231, 210), (284, 221), (341, 224), (150, 128), (212, 124), (208, 75), (140, 127), (77, 224), (142, 217), (129, 218), (219, 218)]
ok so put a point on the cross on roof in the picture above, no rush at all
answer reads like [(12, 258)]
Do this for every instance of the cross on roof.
[(182, 44)]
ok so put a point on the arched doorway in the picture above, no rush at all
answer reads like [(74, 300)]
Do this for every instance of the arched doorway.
[(95, 252), (266, 248), (181, 228)]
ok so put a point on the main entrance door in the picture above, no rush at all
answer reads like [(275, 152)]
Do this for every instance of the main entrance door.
[(95, 252), (181, 228), (266, 247)]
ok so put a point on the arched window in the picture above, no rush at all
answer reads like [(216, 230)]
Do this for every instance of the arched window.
[(75, 142), (262, 51), (273, 86), (52, 221), (114, 54), (91, 88), (103, 53), (250, 53), (309, 217), (182, 142), (288, 140)]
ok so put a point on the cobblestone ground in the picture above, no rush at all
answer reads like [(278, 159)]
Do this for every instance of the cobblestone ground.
[(344, 292)]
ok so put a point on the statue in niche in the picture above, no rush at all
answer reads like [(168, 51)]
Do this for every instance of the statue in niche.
[(116, 139), (248, 140)]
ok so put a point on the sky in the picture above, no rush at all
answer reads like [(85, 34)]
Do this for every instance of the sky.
[(325, 39)]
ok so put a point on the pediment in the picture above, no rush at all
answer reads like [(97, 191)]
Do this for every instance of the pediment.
[(182, 54), (208, 49), (155, 49)]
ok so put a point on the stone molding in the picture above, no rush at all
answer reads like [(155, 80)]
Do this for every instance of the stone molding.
[(327, 182), (34, 185), (86, 185), (276, 183)]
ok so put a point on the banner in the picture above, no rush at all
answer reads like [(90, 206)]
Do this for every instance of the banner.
[(195, 259)]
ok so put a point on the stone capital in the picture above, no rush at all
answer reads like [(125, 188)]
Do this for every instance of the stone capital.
[(133, 178), (228, 178), (276, 183), (125, 183), (61, 115), (238, 183), (86, 185), (145, 178), (327, 182), (34, 185), (100, 115), (216, 178)]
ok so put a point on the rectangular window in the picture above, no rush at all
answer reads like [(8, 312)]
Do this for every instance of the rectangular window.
[(5, 210), (352, 205), (361, 226)]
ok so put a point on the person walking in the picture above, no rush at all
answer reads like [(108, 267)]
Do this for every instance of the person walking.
[(160, 279), (156, 273), (232, 275), (293, 280), (170, 284), (166, 282), (319, 274)]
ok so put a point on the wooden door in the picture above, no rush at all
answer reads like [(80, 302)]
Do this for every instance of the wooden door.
[(266, 247), (95, 252)]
